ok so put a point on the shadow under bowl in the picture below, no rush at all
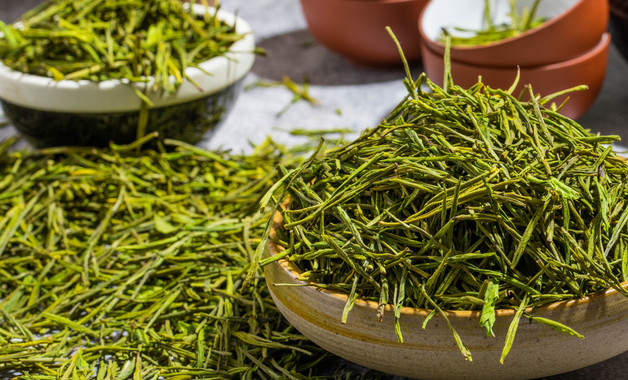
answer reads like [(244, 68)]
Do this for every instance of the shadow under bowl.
[(618, 25), (587, 69), (66, 112), (573, 27), (431, 353), (356, 29)]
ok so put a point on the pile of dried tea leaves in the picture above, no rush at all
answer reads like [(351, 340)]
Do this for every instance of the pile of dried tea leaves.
[(101, 40), (119, 264), (462, 199)]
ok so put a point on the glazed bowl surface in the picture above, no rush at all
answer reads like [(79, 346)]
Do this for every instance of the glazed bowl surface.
[(431, 353), (572, 28), (68, 112), (587, 69), (356, 29)]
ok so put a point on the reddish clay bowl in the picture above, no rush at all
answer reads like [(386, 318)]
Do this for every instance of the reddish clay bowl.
[(356, 29), (573, 28), (588, 69), (431, 353)]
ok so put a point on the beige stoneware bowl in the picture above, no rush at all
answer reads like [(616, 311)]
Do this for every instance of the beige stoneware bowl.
[(432, 353)]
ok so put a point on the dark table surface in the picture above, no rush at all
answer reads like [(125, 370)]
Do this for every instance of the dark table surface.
[(362, 95)]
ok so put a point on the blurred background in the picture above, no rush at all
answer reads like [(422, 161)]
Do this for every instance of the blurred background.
[(351, 95)]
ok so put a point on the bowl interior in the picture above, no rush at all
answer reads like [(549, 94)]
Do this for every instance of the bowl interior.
[(469, 14)]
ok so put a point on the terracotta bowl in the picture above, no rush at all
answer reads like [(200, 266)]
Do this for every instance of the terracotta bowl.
[(588, 68), (356, 29), (573, 27), (67, 112), (432, 353), (618, 25)]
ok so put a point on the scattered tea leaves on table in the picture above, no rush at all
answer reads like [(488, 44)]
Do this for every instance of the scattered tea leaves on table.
[(300, 92), (119, 264)]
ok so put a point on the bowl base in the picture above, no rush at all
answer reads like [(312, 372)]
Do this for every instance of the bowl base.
[(189, 121)]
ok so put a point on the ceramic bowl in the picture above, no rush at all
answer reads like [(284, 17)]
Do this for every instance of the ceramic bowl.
[(618, 25), (588, 68), (67, 112), (356, 29), (432, 353), (573, 27)]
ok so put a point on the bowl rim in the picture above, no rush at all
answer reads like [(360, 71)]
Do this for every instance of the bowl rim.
[(599, 48), (502, 42), (117, 95), (289, 267)]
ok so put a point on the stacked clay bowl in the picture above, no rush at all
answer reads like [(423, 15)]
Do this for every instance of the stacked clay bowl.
[(570, 48)]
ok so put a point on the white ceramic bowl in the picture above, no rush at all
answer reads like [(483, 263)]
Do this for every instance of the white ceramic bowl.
[(432, 353), (84, 112)]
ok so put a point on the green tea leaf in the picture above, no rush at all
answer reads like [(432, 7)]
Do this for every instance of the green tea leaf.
[(512, 329), (163, 226), (487, 318), (557, 326), (67, 323)]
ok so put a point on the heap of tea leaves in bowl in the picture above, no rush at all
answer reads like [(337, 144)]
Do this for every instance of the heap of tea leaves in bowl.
[(461, 199), (103, 40)]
